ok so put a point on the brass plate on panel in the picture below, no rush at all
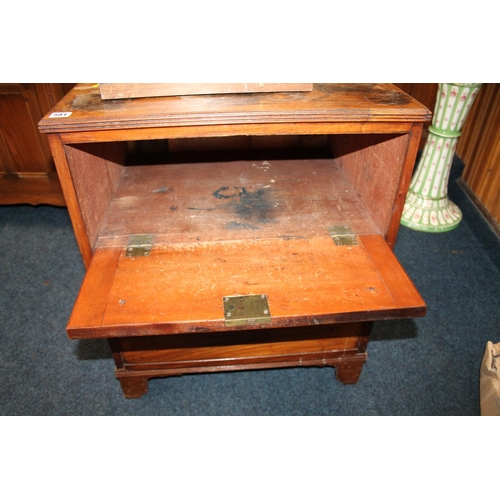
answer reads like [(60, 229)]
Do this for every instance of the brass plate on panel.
[(343, 235), (139, 245), (246, 310)]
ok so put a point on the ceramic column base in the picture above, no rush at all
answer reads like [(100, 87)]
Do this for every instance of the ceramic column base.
[(430, 215), (427, 207)]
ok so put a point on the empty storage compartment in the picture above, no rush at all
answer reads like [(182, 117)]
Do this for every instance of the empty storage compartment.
[(295, 231)]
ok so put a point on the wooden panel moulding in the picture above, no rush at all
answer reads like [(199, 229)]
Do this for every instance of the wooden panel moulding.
[(479, 148), (341, 103), (468, 145), (223, 131), (227, 346), (27, 172)]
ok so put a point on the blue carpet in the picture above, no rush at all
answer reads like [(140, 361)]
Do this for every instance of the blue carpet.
[(425, 366)]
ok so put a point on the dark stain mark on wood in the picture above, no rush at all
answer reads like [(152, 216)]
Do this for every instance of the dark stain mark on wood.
[(254, 205), (226, 192), (390, 98), (376, 94), (93, 102)]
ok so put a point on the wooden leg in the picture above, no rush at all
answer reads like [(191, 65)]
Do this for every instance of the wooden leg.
[(349, 372), (134, 387)]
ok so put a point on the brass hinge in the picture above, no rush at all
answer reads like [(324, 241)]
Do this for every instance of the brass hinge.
[(343, 235), (246, 310), (139, 245)]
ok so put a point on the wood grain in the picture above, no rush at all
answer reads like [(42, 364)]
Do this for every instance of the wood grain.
[(180, 288), (27, 172), (325, 103), (479, 148), (372, 163), (134, 90), (233, 200), (224, 131), (69, 190), (425, 93), (245, 346), (95, 172), (136, 383)]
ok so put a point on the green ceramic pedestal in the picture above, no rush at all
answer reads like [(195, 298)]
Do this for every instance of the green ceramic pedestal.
[(427, 207)]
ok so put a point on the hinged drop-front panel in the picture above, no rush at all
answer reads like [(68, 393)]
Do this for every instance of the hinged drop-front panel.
[(183, 243), (180, 288)]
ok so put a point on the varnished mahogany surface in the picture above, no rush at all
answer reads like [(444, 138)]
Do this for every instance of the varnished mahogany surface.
[(180, 288), (325, 103), (240, 228), (479, 148), (27, 172)]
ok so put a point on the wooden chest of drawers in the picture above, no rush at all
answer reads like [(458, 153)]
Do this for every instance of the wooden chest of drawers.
[(258, 259)]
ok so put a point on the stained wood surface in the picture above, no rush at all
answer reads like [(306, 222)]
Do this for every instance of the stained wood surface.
[(426, 93), (238, 228), (95, 173), (372, 163), (325, 103), (242, 346), (179, 288), (479, 148), (233, 201), (135, 383), (134, 90), (360, 188), (70, 195), (27, 173), (235, 130)]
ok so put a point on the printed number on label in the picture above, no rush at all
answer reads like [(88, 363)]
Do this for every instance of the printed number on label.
[(60, 115)]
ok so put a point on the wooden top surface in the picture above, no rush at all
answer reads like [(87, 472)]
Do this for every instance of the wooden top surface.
[(328, 103)]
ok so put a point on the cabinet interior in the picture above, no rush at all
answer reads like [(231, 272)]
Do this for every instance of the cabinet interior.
[(231, 188), (227, 226)]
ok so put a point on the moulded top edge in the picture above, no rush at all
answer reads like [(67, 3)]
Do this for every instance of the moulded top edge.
[(83, 109)]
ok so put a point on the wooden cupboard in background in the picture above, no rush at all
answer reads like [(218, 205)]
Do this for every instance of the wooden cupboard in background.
[(27, 171)]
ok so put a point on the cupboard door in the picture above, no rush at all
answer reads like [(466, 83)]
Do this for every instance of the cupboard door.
[(27, 171)]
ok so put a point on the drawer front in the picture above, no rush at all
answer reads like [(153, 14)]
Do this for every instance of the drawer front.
[(215, 349)]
